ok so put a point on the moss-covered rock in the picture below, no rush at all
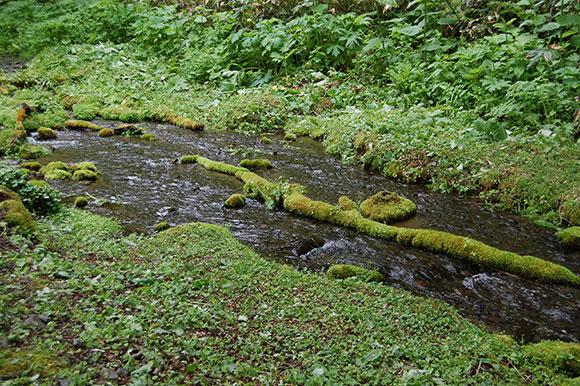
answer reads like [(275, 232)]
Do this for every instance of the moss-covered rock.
[(39, 184), (387, 207), (13, 212), (56, 165), (343, 271), (559, 355), (235, 201), (122, 113), (85, 111), (84, 175), (82, 125), (290, 137), (188, 159), (84, 166), (569, 237), (346, 203), (106, 133), (184, 122), (265, 140), (81, 202), (57, 174), (32, 166), (129, 130), (258, 163), (162, 226), (570, 210), (149, 137), (45, 133)]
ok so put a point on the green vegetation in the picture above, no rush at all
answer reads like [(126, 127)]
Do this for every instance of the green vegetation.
[(235, 201), (569, 237), (560, 355), (76, 124), (36, 196), (258, 163), (81, 202), (193, 304), (85, 111), (344, 271), (13, 212), (346, 203), (162, 226), (387, 207)]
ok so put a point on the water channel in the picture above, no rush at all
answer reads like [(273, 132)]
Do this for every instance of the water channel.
[(146, 186)]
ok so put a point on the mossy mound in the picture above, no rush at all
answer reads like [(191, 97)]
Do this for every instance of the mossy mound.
[(84, 166), (290, 137), (387, 207), (559, 355), (32, 166), (82, 125), (149, 137), (346, 203), (129, 130), (570, 211), (188, 159), (45, 133), (184, 122), (56, 165), (343, 271), (265, 140), (13, 211), (122, 113), (258, 163), (236, 201), (162, 226), (106, 133), (29, 151), (569, 237), (84, 175), (85, 111), (40, 184), (81, 202), (11, 138), (57, 174)]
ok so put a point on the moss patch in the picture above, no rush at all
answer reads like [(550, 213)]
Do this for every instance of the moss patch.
[(343, 271), (188, 159), (82, 125), (15, 214), (559, 355), (81, 202), (258, 163), (45, 133), (15, 363), (161, 226), (84, 175), (569, 237), (85, 111), (387, 207), (106, 133), (149, 137), (32, 166), (57, 174), (346, 203), (290, 137), (235, 201), (84, 166)]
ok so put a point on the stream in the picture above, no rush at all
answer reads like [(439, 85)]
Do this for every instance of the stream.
[(145, 186)]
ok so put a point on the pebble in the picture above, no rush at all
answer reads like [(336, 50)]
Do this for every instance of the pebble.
[(36, 321), (109, 374)]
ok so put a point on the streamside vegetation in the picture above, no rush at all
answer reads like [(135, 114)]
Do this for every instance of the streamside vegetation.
[(479, 98)]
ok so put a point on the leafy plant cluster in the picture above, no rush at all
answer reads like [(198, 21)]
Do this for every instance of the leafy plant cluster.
[(41, 200)]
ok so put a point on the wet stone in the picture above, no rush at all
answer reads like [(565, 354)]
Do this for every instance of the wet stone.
[(109, 374), (122, 373)]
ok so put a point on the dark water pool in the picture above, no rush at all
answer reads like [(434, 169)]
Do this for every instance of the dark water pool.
[(147, 187)]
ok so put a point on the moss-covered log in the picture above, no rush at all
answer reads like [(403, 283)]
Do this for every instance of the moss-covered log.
[(435, 241)]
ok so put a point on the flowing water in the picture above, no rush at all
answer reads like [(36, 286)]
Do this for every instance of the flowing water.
[(146, 186)]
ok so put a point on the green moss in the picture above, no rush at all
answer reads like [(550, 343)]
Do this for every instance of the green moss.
[(258, 163), (122, 113), (16, 215), (56, 165), (127, 115), (81, 202), (85, 111), (46, 133), (188, 159), (40, 184), (290, 137), (219, 166), (29, 151), (53, 119), (11, 138), (84, 166), (162, 226), (235, 201), (149, 137), (8, 194), (569, 237), (343, 271), (387, 207), (570, 211), (80, 125), (265, 140), (106, 133), (346, 203), (559, 355), (129, 130), (184, 122), (17, 363), (57, 174), (84, 175), (32, 166)]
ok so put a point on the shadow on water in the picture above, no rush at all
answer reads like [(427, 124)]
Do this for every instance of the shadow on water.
[(147, 187)]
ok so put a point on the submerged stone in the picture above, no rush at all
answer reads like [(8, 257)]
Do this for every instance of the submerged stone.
[(387, 207), (343, 271), (236, 201), (45, 133), (569, 237), (258, 163)]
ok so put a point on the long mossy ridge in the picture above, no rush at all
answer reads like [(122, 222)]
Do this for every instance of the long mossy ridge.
[(345, 271), (465, 248), (258, 163), (387, 207), (82, 125)]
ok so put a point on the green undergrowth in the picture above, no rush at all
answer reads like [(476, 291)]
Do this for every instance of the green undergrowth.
[(193, 305)]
